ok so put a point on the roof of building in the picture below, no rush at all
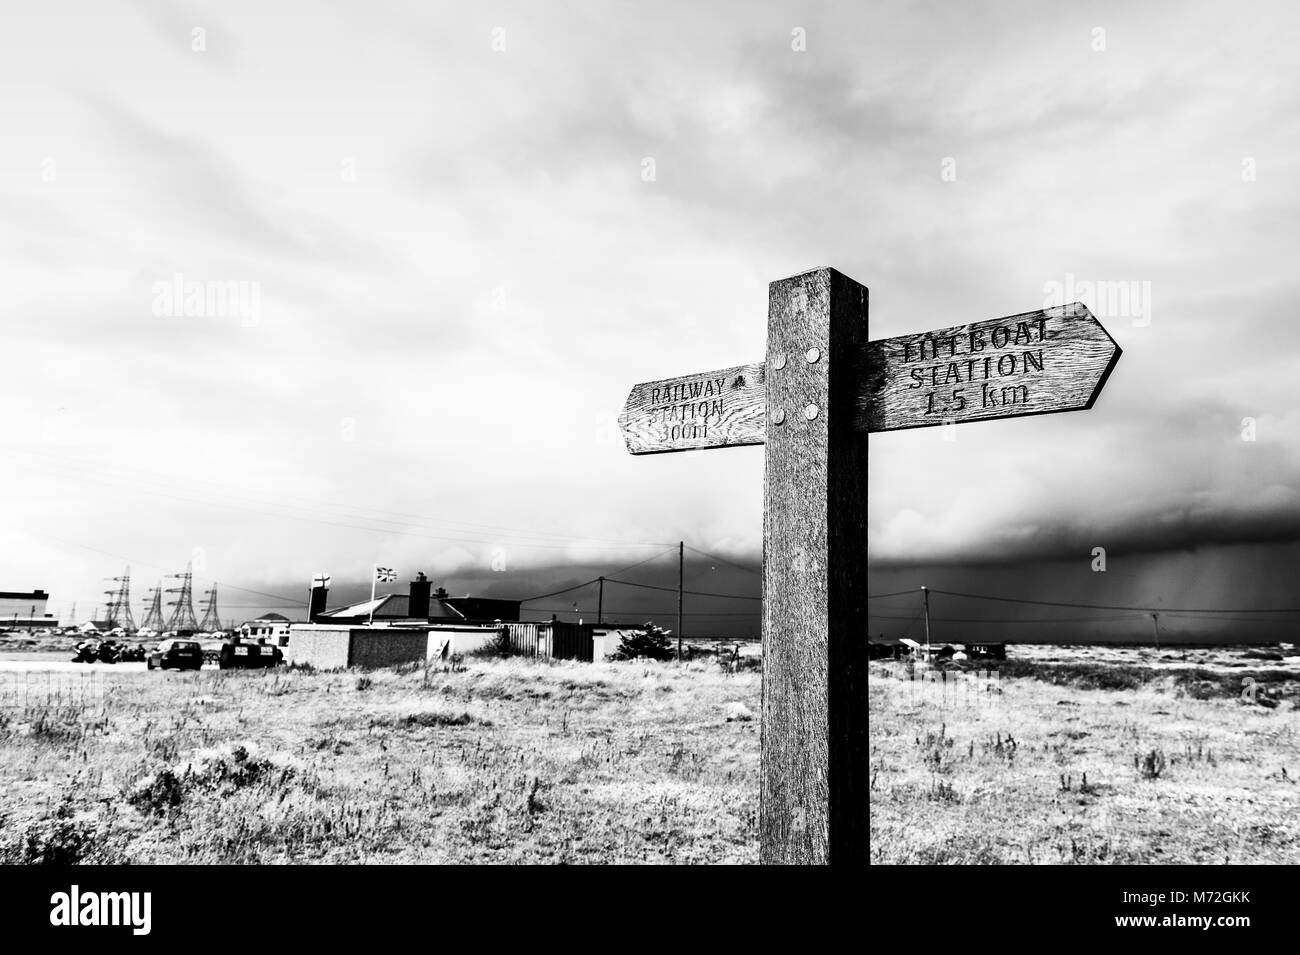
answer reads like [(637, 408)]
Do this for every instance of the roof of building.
[(393, 607)]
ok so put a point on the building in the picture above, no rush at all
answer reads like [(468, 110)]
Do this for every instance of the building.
[(423, 626), (423, 606), (273, 628), (20, 608), (336, 646)]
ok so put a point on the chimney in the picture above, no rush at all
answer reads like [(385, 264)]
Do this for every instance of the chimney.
[(418, 607), (320, 587)]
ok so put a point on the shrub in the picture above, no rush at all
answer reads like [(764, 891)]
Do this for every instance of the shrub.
[(434, 718), (156, 795), (1151, 765), (649, 642), (60, 839), (1085, 676), (220, 771), (498, 646)]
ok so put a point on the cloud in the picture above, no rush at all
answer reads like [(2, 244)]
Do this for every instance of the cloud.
[(449, 335)]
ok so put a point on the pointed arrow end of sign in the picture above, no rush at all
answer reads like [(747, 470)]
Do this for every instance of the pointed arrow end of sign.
[(1116, 351)]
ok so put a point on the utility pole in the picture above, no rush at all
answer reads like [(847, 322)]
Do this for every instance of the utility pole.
[(681, 560), (31, 619), (600, 603), (925, 594), (1155, 619)]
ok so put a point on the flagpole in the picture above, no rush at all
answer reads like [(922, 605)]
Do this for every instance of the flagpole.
[(374, 573)]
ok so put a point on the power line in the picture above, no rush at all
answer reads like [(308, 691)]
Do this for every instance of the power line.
[(556, 593), (897, 593), (723, 560), (671, 611), (512, 537), (284, 601), (640, 562), (68, 461), (673, 590), (882, 616), (1078, 606)]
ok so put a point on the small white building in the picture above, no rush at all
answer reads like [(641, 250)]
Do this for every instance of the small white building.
[(270, 627)]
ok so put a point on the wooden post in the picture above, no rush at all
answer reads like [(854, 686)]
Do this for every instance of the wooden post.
[(925, 596), (681, 577), (822, 388), (814, 745)]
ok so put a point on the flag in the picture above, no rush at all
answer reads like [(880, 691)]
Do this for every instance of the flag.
[(385, 574)]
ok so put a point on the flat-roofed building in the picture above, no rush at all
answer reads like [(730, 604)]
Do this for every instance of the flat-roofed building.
[(25, 608)]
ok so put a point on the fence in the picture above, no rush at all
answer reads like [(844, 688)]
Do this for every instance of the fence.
[(555, 639)]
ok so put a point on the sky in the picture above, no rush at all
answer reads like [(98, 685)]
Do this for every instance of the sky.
[(438, 242)]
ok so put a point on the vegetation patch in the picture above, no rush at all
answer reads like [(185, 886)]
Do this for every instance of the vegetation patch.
[(223, 771), (61, 838), (433, 718)]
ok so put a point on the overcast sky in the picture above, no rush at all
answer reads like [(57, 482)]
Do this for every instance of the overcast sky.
[(456, 266)]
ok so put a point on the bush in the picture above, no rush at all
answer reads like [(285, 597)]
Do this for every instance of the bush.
[(59, 839), (220, 771), (433, 719), (1083, 675), (498, 646), (649, 642), (1151, 765), (156, 795)]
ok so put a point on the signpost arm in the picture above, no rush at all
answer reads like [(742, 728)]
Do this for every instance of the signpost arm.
[(814, 747)]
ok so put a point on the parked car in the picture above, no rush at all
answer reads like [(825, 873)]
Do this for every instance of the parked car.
[(238, 655), (133, 654), (176, 654), (97, 651), (85, 651)]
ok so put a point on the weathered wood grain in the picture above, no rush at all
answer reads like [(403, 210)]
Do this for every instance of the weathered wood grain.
[(814, 749), (711, 409), (1051, 360), (1042, 362)]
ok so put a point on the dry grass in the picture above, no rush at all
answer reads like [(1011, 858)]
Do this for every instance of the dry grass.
[(503, 761), (1074, 763)]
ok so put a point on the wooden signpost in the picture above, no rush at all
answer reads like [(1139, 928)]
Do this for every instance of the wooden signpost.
[(821, 390)]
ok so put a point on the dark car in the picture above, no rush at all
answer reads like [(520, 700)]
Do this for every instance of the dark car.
[(97, 651), (86, 651), (238, 655), (176, 655)]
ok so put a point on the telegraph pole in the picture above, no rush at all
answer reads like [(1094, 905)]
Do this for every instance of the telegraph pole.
[(925, 594), (1155, 619), (681, 575), (600, 603)]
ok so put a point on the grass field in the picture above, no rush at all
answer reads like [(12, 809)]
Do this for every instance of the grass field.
[(1075, 756), (1096, 755), (503, 761)]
